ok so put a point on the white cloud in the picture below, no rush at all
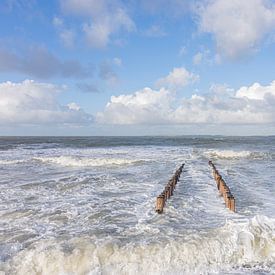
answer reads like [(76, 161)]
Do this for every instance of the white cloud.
[(73, 106), (97, 34), (142, 107), (177, 79), (256, 91), (31, 102), (102, 19), (248, 105), (237, 26)]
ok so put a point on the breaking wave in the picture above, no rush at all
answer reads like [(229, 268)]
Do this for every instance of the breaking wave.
[(230, 154), (250, 245), (82, 162), (10, 162)]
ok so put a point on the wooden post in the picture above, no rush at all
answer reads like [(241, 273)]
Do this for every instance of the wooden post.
[(225, 190), (163, 195), (218, 181), (160, 204), (176, 179), (173, 182), (217, 176), (227, 199), (214, 174), (167, 192), (232, 205), (170, 187), (222, 185)]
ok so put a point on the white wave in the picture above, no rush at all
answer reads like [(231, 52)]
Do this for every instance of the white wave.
[(10, 162), (228, 154), (231, 247), (231, 154), (85, 161)]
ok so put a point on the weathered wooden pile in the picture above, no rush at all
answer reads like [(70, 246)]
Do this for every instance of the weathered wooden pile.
[(168, 190), (223, 189)]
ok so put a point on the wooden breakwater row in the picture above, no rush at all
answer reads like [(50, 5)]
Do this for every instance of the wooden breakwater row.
[(223, 189), (168, 190)]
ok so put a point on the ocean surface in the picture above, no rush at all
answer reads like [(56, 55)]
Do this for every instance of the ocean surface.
[(85, 205)]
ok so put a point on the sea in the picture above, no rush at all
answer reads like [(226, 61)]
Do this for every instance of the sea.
[(86, 205)]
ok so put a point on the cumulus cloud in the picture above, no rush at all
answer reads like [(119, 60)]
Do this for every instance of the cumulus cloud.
[(237, 26), (103, 19), (39, 62), (31, 102), (256, 91), (137, 108), (248, 105), (177, 79)]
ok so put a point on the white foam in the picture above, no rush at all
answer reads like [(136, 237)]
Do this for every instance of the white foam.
[(227, 154), (10, 162), (230, 246), (85, 161)]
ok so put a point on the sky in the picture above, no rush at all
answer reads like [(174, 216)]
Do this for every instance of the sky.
[(137, 67)]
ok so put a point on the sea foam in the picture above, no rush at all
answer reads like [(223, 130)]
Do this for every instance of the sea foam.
[(86, 161), (232, 154), (250, 245)]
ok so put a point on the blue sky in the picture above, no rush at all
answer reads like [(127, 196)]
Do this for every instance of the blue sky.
[(101, 67)]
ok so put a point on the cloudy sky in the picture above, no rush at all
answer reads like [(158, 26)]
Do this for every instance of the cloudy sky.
[(137, 67)]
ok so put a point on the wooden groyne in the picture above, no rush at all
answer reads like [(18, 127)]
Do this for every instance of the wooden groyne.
[(223, 189), (168, 190)]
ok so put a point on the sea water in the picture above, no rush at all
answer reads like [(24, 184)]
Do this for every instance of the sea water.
[(85, 205)]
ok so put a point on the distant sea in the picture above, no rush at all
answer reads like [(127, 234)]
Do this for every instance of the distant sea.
[(85, 205)]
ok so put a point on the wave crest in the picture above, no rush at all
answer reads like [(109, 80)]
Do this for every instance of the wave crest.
[(10, 162), (84, 161), (231, 154)]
